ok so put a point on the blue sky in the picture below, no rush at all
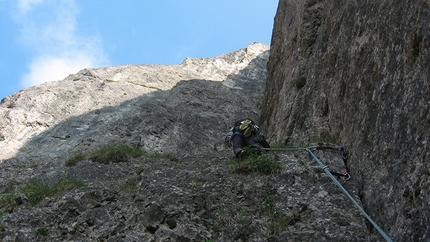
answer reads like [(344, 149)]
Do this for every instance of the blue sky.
[(46, 40)]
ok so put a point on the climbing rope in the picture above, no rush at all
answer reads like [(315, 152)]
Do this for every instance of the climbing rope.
[(329, 174)]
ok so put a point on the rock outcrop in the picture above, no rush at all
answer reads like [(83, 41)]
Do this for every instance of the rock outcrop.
[(357, 73), (187, 189)]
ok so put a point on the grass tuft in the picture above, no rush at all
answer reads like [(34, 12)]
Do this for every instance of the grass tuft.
[(74, 159), (255, 163), (36, 190), (7, 203), (115, 153)]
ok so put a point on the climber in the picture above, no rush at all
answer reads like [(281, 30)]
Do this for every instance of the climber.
[(245, 134)]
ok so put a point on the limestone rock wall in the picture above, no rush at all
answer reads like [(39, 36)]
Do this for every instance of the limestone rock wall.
[(154, 102), (366, 71)]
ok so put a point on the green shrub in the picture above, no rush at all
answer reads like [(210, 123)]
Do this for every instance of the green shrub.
[(300, 82), (73, 160), (7, 203), (8, 200), (36, 190), (255, 163), (42, 231), (115, 153), (68, 184)]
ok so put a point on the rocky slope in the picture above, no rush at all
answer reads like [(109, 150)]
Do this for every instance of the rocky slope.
[(357, 73), (187, 189)]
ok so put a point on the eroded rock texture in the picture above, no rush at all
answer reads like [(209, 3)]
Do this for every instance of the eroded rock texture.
[(365, 70), (188, 191)]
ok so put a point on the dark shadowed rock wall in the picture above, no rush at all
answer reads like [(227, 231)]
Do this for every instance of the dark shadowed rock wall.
[(366, 70)]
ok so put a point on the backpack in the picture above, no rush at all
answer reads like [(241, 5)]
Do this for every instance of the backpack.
[(247, 127), (244, 127)]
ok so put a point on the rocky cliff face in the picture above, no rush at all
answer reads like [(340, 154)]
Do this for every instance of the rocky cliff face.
[(187, 188), (95, 101), (357, 73)]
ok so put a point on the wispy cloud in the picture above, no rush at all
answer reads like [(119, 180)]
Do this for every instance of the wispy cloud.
[(51, 68), (50, 29), (25, 5)]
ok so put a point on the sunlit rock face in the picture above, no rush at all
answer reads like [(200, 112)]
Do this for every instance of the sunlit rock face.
[(356, 73), (152, 101)]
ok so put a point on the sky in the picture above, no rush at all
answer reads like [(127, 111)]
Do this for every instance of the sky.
[(46, 40)]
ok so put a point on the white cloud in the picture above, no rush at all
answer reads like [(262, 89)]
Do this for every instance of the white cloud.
[(25, 5), (51, 68), (50, 28)]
